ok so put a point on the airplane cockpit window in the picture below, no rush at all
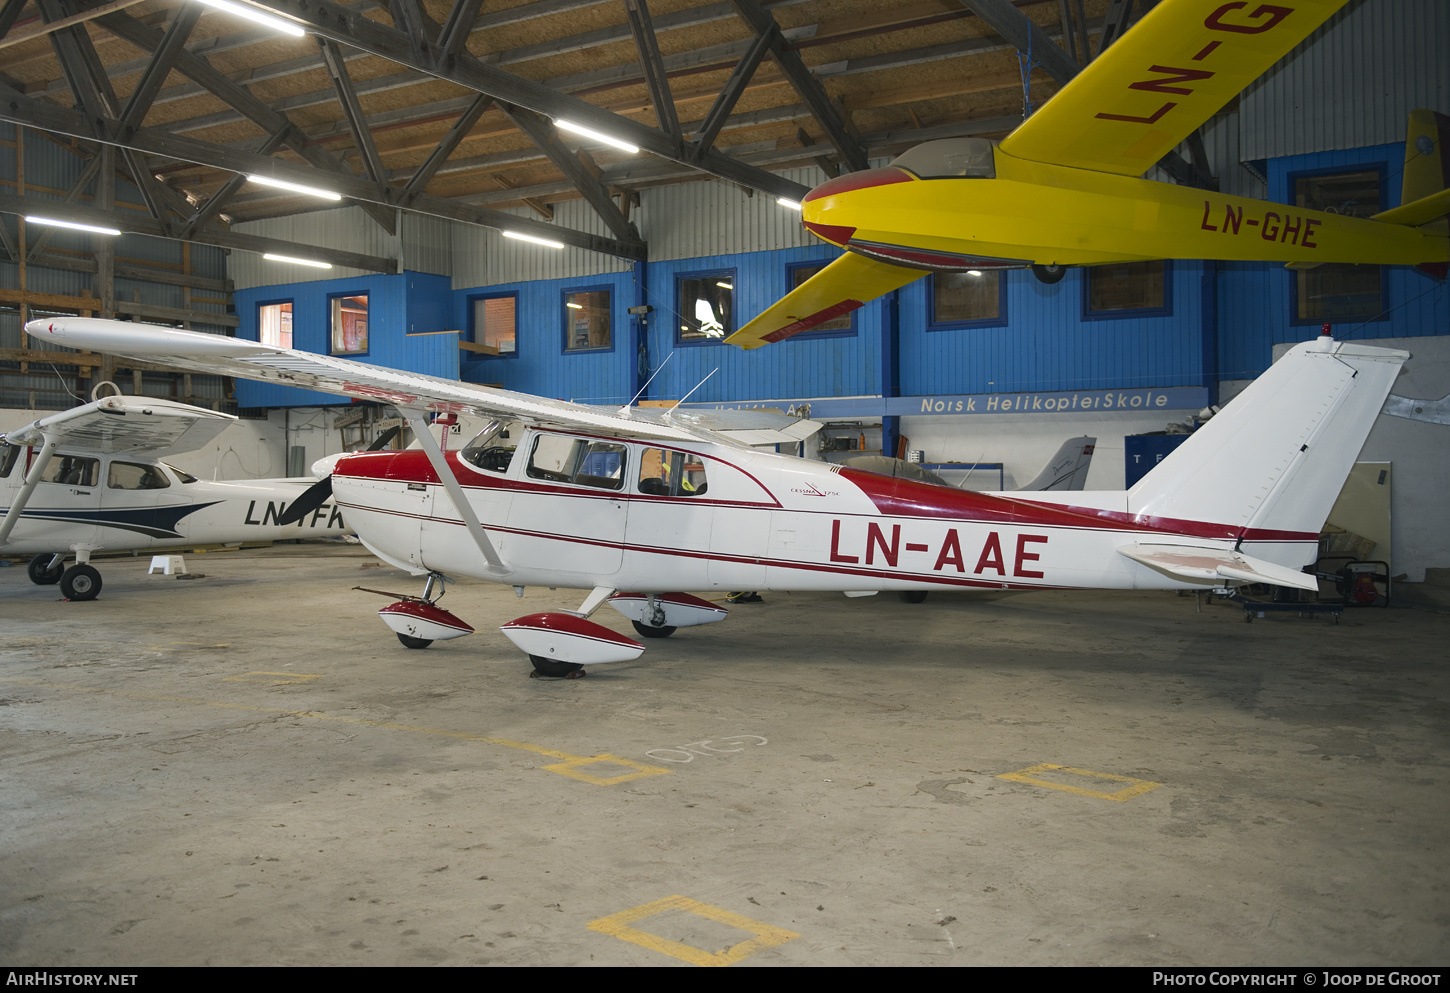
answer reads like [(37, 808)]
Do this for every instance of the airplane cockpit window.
[(8, 455), (666, 473), (949, 158), (72, 470), (574, 460), (133, 476), (181, 474), (488, 449)]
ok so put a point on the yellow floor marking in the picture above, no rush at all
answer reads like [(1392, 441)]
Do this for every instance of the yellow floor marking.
[(620, 926), (289, 677), (568, 764), (1139, 787)]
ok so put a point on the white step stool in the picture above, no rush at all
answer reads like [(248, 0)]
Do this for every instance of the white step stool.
[(169, 564)]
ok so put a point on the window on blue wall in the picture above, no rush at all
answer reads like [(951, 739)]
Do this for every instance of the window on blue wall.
[(495, 322), (586, 320), (274, 324), (349, 323), (977, 298), (797, 273), (704, 306), (1337, 291), (1127, 289)]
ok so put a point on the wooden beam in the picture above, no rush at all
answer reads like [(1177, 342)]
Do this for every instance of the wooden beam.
[(41, 30)]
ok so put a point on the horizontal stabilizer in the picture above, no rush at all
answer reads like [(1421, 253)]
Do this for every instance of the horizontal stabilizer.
[(1216, 566), (838, 289), (1421, 211)]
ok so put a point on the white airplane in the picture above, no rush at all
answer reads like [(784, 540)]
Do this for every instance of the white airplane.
[(91, 478), (636, 505)]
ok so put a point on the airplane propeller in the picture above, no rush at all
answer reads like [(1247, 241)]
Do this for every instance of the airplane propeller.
[(321, 491)]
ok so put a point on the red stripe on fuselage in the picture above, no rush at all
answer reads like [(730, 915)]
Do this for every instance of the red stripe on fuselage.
[(897, 497)]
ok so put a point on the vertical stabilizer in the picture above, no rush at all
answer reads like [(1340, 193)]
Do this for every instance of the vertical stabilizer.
[(1276, 457), (1068, 468), (1427, 160)]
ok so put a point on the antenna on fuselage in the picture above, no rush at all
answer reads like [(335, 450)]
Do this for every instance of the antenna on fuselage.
[(647, 382), (691, 393)]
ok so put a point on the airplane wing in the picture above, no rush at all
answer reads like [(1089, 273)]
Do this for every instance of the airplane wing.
[(249, 360), (1216, 565), (121, 425), (1171, 72), (839, 288)]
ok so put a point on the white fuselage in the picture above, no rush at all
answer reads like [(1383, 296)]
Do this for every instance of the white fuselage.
[(126, 502), (760, 521)]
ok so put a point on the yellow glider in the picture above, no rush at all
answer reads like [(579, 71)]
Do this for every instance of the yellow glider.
[(1064, 188)]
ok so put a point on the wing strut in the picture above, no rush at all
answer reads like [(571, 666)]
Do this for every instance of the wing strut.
[(455, 491), (12, 516)]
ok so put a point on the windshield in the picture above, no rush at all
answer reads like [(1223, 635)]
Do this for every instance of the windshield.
[(950, 157)]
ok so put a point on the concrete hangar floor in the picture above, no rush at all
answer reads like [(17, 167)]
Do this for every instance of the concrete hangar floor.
[(248, 769)]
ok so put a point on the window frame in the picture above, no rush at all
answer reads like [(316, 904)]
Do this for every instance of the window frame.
[(331, 332), (564, 295), (732, 274), (278, 303), (1166, 310), (847, 332), (473, 300), (1000, 321), (1291, 196)]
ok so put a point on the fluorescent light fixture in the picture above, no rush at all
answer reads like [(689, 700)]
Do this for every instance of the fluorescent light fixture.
[(92, 228), (579, 129), (574, 306), (282, 184), (787, 203), (253, 14), (724, 286), (518, 236), (287, 258), (974, 272)]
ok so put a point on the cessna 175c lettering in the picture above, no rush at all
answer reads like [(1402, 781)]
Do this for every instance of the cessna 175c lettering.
[(638, 504), (1064, 188), (91, 478)]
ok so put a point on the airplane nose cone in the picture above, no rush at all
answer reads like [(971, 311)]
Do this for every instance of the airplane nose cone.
[(817, 205)]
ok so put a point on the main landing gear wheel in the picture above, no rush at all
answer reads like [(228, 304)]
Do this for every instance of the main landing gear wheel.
[(40, 572), (410, 642), (558, 670), (80, 582), (663, 631), (912, 596), (1049, 274)]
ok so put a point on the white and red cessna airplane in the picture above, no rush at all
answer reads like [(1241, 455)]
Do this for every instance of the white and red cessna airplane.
[(636, 505), (92, 479)]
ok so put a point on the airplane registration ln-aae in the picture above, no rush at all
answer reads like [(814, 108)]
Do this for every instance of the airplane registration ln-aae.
[(92, 479), (637, 505), (1065, 187)]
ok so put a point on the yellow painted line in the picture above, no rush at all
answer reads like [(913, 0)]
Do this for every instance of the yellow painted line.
[(1139, 787), (620, 926), (289, 677), (568, 765)]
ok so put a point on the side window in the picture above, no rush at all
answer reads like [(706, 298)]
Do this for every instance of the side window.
[(705, 306), (8, 455), (1336, 291), (1127, 289), (666, 473), (130, 476), (573, 460), (495, 322), (349, 324), (72, 470), (274, 324)]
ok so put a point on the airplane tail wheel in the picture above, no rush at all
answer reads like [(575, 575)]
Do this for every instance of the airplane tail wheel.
[(1049, 274), (559, 670), (663, 631), (40, 572), (912, 596), (410, 642), (80, 582)]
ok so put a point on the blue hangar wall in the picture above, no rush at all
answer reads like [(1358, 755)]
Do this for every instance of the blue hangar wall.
[(1220, 322)]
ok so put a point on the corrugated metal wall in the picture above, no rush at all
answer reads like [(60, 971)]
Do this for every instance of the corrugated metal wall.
[(345, 228), (1353, 82), (723, 219), (484, 257)]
